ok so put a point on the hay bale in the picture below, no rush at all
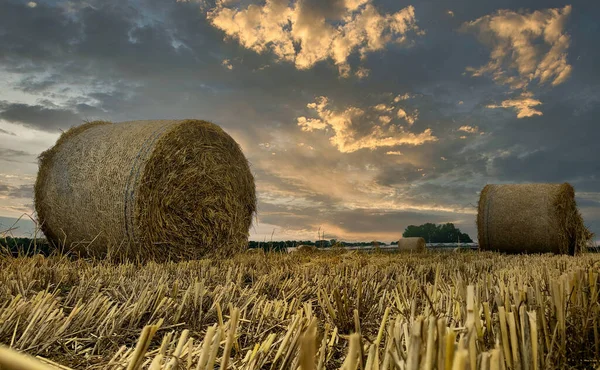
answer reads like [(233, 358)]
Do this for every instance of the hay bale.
[(530, 218), (411, 244), (305, 249), (157, 189)]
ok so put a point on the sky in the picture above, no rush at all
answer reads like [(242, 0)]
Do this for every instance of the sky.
[(359, 117)]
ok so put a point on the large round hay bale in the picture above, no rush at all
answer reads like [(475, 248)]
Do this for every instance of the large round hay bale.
[(411, 244), (530, 218), (146, 189)]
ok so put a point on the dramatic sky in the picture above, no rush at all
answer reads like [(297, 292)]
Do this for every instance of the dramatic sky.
[(359, 117)]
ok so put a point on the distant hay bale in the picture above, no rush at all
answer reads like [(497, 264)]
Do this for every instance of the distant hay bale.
[(411, 244), (306, 249), (146, 189), (530, 218)]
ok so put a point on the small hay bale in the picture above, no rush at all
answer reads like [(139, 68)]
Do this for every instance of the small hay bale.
[(306, 249), (146, 189), (530, 218), (411, 244)]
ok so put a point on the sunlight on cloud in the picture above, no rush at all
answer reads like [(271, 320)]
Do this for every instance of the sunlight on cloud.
[(524, 105), (409, 118), (469, 129), (402, 97), (345, 137), (362, 73), (278, 26), (534, 44), (525, 47), (227, 64)]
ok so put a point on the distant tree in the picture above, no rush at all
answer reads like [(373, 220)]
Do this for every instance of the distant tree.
[(322, 243), (432, 233)]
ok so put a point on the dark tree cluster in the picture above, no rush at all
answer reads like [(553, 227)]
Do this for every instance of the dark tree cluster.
[(432, 233)]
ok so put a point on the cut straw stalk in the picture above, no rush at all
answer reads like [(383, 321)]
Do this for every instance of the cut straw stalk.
[(13, 360)]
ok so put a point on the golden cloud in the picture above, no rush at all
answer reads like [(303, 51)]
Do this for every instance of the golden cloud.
[(277, 26), (524, 105), (345, 137), (469, 129), (534, 45)]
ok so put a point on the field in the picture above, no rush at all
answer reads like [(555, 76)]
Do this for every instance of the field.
[(436, 310)]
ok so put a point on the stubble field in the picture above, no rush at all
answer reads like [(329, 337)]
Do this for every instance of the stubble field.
[(434, 310)]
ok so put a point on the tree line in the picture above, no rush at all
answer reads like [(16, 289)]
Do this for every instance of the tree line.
[(432, 233)]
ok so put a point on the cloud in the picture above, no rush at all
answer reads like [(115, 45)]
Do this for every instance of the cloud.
[(32, 4), (362, 72), (525, 46), (39, 116), (11, 155), (385, 119), (402, 97), (393, 153), (346, 138), (302, 32), (4, 132), (527, 49), (21, 191), (524, 105), (469, 129), (227, 64), (409, 118)]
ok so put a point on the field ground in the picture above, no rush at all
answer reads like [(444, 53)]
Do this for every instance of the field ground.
[(326, 310)]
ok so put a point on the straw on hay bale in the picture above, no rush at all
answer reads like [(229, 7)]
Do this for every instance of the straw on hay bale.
[(146, 189), (530, 218), (411, 244)]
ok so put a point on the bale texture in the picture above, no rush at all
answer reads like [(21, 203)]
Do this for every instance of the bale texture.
[(159, 189), (411, 244), (530, 218)]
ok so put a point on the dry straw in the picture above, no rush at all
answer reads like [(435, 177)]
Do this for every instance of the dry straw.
[(531, 218), (411, 244), (146, 189)]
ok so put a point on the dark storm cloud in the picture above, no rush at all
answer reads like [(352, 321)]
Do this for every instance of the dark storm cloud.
[(121, 60), (34, 35), (38, 116)]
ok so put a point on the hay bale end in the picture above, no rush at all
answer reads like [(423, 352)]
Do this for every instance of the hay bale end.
[(530, 218), (411, 244)]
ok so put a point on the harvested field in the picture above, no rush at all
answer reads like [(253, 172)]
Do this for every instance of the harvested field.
[(322, 311)]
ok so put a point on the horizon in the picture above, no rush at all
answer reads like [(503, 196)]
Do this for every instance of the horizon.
[(358, 117)]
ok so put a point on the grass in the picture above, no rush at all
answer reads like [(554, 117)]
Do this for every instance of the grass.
[(474, 310)]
